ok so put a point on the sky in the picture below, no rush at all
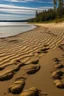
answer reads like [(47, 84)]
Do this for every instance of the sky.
[(22, 9)]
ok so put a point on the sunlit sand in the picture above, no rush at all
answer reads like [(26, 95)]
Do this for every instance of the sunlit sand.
[(30, 56)]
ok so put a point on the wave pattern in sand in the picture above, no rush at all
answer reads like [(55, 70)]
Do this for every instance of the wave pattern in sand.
[(26, 48)]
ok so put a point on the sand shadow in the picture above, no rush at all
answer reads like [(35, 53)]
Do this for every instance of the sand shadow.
[(57, 60), (17, 86), (33, 70), (44, 50), (61, 47)]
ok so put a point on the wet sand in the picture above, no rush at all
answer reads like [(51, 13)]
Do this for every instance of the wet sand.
[(31, 55)]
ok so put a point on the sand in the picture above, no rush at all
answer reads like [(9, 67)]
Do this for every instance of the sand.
[(33, 55)]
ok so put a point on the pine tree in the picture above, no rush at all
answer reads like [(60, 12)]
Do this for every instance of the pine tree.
[(36, 14), (60, 7), (60, 3), (55, 4)]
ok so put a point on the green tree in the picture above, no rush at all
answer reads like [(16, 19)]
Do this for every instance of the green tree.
[(55, 4), (60, 8), (36, 14)]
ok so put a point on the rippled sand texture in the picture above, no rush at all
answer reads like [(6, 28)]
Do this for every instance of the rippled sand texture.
[(20, 56)]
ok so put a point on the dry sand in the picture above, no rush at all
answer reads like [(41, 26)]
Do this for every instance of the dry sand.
[(31, 55)]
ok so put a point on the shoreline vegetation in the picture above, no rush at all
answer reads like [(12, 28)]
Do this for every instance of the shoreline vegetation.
[(55, 14)]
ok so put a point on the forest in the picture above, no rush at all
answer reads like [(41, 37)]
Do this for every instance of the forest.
[(57, 13)]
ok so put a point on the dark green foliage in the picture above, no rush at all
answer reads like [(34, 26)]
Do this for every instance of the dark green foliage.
[(44, 16), (60, 9), (55, 4), (51, 14), (36, 14)]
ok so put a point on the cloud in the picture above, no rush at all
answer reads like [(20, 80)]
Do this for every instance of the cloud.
[(24, 1), (19, 0), (18, 12), (15, 17), (3, 6)]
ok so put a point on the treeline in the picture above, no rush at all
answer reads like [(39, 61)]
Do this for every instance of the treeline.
[(47, 15)]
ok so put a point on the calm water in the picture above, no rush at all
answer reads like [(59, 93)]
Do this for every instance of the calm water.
[(14, 28)]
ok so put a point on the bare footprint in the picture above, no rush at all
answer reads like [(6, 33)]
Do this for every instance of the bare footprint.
[(6, 76), (17, 86), (57, 74), (59, 66), (33, 69), (33, 92), (58, 83), (57, 60)]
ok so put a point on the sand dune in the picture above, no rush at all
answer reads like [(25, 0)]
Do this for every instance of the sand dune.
[(29, 49)]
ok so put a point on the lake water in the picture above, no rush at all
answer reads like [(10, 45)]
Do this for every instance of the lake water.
[(13, 28)]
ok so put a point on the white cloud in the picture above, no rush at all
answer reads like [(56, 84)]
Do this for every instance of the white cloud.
[(18, 11), (3, 6), (40, 1), (19, 0), (14, 17)]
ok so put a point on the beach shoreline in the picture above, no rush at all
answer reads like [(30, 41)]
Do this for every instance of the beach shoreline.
[(6, 30), (31, 55)]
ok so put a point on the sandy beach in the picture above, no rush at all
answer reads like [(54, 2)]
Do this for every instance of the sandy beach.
[(33, 57)]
